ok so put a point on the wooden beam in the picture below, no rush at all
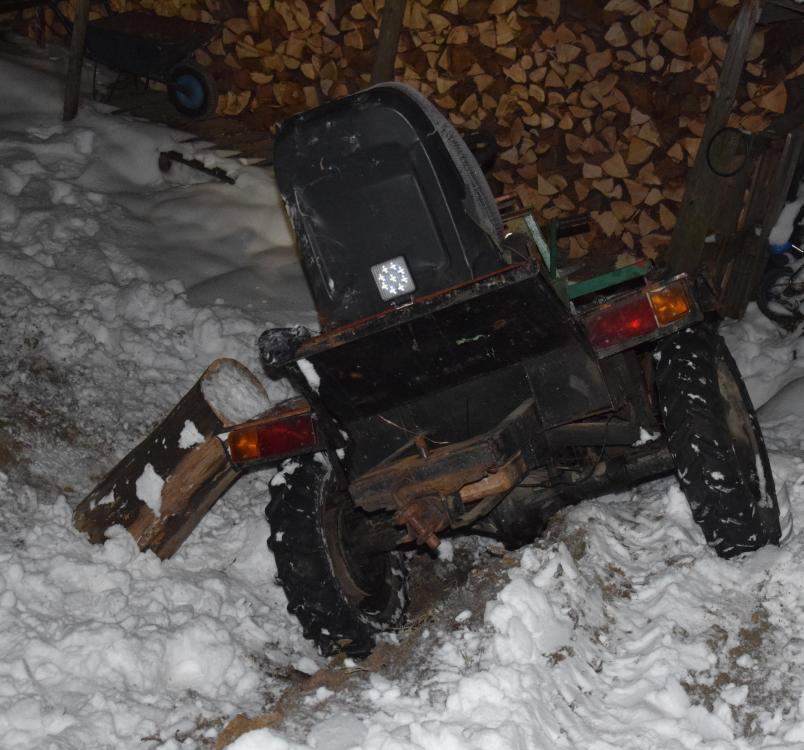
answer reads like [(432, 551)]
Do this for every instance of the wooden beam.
[(72, 91), (772, 179), (701, 195), (390, 28)]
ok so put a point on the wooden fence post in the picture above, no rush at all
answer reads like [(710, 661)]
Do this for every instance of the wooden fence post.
[(390, 28), (72, 90)]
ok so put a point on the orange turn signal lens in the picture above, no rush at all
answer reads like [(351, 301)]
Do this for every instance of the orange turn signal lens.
[(669, 303), (244, 444)]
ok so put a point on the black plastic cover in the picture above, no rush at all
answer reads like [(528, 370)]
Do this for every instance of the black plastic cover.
[(433, 345), (378, 175)]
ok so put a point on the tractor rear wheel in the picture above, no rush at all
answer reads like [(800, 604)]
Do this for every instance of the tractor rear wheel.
[(341, 595), (714, 436)]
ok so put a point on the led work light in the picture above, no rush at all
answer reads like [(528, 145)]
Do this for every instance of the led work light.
[(393, 278)]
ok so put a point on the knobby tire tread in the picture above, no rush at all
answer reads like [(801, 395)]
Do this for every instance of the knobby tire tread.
[(304, 569), (734, 516)]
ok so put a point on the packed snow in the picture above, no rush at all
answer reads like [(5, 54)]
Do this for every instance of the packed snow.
[(120, 285), (190, 435), (148, 487), (310, 375)]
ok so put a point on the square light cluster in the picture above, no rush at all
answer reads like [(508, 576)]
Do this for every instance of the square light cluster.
[(393, 278)]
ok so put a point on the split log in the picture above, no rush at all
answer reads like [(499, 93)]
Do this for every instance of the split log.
[(163, 488)]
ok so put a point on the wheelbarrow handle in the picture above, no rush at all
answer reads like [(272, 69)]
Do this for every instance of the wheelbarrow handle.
[(66, 22)]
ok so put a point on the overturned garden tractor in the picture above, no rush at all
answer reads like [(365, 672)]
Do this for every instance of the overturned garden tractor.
[(458, 382)]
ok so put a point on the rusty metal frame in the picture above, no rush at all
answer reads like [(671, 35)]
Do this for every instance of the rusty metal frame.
[(446, 470)]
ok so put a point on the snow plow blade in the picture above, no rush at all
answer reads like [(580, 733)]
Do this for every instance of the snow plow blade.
[(163, 488)]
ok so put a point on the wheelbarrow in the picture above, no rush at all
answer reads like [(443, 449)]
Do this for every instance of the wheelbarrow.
[(156, 48)]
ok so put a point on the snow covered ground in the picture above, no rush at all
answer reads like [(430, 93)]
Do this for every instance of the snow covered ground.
[(118, 285)]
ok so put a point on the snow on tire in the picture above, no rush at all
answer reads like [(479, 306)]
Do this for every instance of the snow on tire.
[(341, 602), (716, 441)]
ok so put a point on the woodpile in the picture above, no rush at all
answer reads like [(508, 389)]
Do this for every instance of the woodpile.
[(596, 106)]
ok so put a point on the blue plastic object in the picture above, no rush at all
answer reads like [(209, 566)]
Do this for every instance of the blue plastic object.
[(779, 249), (189, 91)]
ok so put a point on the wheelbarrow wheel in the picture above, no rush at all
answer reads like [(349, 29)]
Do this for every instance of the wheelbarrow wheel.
[(192, 91)]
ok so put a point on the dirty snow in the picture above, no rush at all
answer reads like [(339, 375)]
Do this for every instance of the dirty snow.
[(286, 469), (119, 286), (769, 358), (646, 436)]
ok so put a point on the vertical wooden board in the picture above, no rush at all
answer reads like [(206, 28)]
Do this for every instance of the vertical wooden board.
[(703, 186)]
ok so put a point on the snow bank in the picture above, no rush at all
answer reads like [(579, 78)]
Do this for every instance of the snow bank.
[(105, 260), (102, 331)]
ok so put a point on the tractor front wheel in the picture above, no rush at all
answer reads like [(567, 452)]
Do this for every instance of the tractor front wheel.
[(342, 592)]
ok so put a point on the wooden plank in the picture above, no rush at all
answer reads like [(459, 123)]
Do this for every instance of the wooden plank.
[(703, 187), (388, 41), (202, 475), (72, 91)]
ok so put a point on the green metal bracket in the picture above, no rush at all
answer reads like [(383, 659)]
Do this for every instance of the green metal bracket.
[(606, 280), (538, 238), (548, 249)]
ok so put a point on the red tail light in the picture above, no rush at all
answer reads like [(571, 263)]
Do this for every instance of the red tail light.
[(614, 324), (287, 432)]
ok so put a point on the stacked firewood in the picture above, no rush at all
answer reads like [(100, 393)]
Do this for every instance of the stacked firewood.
[(596, 106)]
